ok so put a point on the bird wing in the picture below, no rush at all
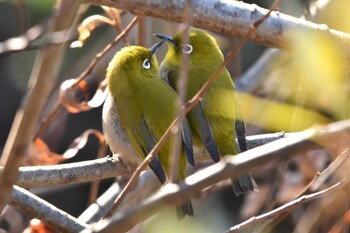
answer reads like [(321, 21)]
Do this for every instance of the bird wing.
[(240, 130), (205, 131), (240, 133), (144, 141), (187, 140)]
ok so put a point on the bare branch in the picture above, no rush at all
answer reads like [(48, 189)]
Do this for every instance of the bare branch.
[(39, 208), (71, 173), (181, 87), (286, 207), (229, 18), (38, 176), (23, 42), (111, 45), (41, 83), (313, 186), (228, 167), (253, 78), (147, 184)]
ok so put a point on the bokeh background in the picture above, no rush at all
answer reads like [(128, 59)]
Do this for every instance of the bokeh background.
[(296, 92)]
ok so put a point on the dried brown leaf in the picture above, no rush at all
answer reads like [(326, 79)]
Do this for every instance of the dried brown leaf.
[(113, 13), (69, 98), (38, 226), (87, 26), (81, 141), (40, 154)]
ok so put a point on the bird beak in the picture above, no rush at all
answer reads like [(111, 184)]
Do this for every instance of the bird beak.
[(155, 47), (166, 38)]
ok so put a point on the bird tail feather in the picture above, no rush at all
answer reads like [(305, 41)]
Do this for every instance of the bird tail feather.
[(184, 209), (243, 184)]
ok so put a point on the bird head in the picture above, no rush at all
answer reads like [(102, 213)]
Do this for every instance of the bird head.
[(131, 64), (201, 46)]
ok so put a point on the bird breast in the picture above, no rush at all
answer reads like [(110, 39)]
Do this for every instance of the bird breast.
[(115, 134)]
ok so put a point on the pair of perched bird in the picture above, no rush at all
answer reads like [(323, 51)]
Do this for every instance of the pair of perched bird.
[(142, 105)]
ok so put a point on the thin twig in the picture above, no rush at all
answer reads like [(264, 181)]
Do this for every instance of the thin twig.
[(312, 186), (184, 110), (141, 33), (182, 86), (252, 80), (231, 55), (22, 16), (58, 107), (22, 42), (286, 207), (116, 16), (98, 57), (51, 116)]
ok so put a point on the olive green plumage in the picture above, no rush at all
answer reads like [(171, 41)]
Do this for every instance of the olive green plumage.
[(145, 106), (218, 108)]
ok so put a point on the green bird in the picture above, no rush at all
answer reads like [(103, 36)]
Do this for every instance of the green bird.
[(139, 109), (215, 120)]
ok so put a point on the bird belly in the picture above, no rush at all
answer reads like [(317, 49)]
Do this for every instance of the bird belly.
[(115, 134)]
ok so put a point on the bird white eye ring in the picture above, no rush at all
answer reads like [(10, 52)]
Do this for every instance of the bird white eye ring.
[(188, 49), (146, 64)]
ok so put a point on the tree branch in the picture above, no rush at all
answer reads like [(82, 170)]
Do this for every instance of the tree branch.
[(252, 79), (71, 173), (38, 176), (286, 207), (39, 208), (147, 184), (41, 83), (228, 167), (100, 168), (229, 18)]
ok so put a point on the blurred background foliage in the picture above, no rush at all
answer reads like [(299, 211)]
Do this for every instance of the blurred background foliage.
[(307, 86)]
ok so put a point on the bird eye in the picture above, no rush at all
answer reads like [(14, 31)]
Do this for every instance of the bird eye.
[(146, 64), (187, 49)]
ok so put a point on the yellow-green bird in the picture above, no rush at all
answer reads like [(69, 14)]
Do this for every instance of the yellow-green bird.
[(139, 109), (215, 120)]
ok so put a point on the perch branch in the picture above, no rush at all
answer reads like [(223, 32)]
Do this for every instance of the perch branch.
[(71, 173), (39, 176), (228, 167), (229, 18)]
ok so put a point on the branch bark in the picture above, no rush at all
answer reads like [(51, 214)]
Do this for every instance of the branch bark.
[(71, 173), (228, 167), (41, 83), (39, 176), (39, 208), (229, 18)]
